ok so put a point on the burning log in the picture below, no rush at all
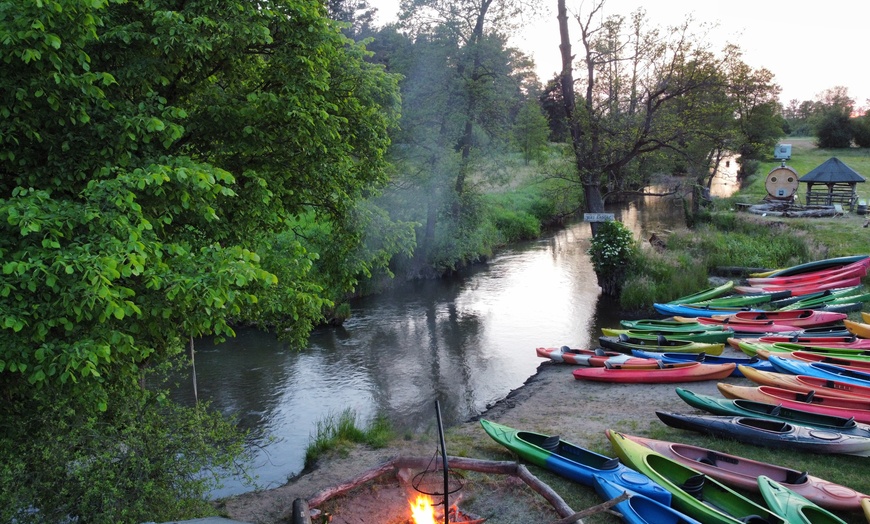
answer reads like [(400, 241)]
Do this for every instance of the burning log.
[(482, 466)]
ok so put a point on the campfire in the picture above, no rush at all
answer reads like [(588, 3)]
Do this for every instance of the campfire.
[(423, 511)]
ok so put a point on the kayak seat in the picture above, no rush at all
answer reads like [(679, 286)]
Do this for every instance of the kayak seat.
[(776, 410), (808, 398), (694, 485), (611, 463), (551, 443), (600, 352), (565, 349), (661, 340), (701, 356), (796, 477), (710, 459)]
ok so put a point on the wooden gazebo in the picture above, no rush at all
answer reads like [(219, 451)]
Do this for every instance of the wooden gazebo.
[(833, 182)]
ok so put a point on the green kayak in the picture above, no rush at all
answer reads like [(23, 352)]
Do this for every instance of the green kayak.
[(705, 294), (672, 325), (751, 408), (792, 506), (625, 344), (693, 493), (712, 336)]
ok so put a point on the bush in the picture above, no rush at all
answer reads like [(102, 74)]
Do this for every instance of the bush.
[(613, 253)]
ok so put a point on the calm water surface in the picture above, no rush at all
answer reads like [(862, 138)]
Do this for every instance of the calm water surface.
[(465, 341)]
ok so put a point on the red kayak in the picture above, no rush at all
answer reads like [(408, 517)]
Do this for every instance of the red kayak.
[(855, 269), (801, 318), (743, 473), (666, 374), (814, 401), (799, 289), (805, 383), (595, 357)]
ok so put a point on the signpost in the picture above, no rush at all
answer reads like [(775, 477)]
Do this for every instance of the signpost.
[(598, 217)]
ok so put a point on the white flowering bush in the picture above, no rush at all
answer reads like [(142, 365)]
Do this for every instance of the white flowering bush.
[(613, 253)]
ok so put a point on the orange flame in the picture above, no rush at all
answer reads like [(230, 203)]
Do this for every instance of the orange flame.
[(422, 510)]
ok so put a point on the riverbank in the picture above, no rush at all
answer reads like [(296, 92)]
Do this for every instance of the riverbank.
[(551, 401)]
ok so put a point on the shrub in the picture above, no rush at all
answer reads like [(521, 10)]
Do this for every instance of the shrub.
[(613, 253)]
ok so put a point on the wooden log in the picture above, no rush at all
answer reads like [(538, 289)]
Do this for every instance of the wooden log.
[(301, 513), (594, 510)]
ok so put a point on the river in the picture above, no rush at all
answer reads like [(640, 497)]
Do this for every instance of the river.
[(466, 341)]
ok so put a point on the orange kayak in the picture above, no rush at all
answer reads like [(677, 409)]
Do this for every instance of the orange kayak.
[(805, 383)]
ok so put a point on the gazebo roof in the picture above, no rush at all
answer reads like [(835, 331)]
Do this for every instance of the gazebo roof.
[(832, 171)]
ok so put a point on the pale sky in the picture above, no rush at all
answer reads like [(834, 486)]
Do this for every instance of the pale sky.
[(809, 47)]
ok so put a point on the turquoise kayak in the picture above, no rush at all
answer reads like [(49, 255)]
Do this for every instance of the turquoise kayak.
[(793, 507), (572, 462)]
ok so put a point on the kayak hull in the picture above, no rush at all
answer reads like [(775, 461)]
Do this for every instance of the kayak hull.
[(741, 473), (669, 374), (791, 506), (770, 433), (570, 461)]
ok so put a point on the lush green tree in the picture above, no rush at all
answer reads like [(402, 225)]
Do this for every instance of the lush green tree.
[(861, 128), (531, 131), (151, 155), (755, 98), (832, 118)]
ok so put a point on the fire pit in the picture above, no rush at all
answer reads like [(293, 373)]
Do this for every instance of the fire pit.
[(423, 511)]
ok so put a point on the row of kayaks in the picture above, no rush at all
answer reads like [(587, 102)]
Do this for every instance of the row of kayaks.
[(788, 333), (669, 482)]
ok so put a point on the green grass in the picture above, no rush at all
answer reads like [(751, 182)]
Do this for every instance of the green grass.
[(339, 432)]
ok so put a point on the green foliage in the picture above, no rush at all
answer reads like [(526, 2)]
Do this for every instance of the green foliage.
[(143, 459), (340, 431), (614, 252), (861, 128), (152, 155), (833, 129), (661, 277), (531, 131)]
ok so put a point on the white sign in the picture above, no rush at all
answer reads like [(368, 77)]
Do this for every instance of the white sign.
[(598, 217)]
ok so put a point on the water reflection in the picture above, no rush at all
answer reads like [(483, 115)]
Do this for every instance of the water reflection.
[(466, 341)]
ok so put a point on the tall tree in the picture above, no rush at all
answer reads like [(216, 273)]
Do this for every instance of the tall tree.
[(150, 153)]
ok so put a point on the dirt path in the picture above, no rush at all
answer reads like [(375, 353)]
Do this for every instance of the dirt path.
[(551, 402)]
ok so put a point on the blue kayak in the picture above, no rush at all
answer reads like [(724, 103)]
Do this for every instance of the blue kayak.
[(571, 461), (794, 366), (670, 358), (639, 509), (688, 310)]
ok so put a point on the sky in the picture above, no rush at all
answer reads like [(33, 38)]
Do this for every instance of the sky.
[(809, 48)]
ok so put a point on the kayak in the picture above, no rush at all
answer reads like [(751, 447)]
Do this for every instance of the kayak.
[(671, 358), (805, 383), (815, 298), (791, 506), (741, 473), (625, 344), (740, 326), (847, 341), (710, 336), (814, 401), (743, 300), (796, 317), (819, 369), (695, 494), (858, 268), (818, 265), (667, 374), (737, 407), (688, 310), (639, 509), (855, 362), (705, 294), (800, 289), (572, 462), (770, 433), (593, 357), (827, 302), (670, 325), (859, 329), (865, 507)]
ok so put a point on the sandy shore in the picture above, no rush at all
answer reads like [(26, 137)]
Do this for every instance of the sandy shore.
[(551, 402)]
